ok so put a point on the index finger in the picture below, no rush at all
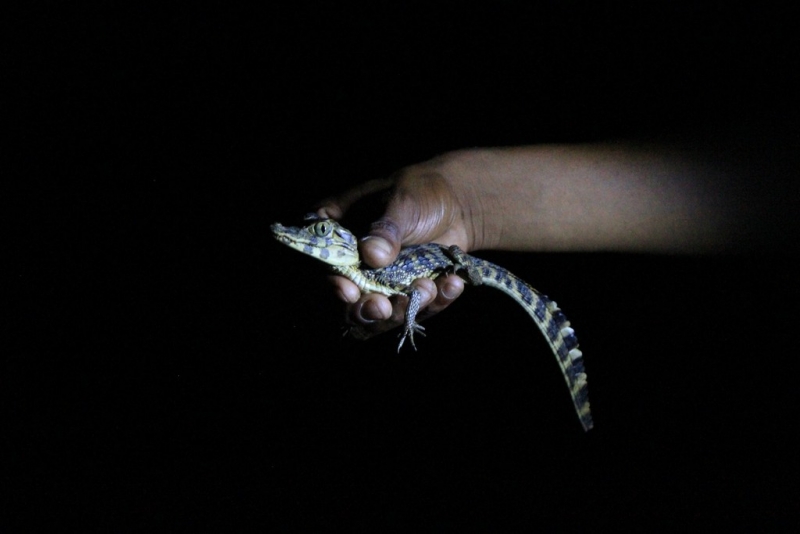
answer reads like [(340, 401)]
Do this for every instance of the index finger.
[(336, 206)]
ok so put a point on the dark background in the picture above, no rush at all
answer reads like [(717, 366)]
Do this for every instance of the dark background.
[(166, 363)]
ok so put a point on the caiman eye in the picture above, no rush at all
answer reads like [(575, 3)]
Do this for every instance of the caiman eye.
[(323, 228)]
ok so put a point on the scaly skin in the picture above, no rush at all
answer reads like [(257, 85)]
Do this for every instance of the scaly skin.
[(328, 241)]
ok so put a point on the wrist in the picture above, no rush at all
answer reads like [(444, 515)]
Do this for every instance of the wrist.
[(471, 176)]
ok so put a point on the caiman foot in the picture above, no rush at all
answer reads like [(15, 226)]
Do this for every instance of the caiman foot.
[(408, 332)]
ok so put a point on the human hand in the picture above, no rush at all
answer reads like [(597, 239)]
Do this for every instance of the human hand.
[(422, 206)]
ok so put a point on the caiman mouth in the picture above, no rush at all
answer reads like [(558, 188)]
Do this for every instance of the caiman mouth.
[(279, 233)]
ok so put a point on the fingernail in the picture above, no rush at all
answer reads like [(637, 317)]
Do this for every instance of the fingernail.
[(449, 292), (380, 249), (371, 312)]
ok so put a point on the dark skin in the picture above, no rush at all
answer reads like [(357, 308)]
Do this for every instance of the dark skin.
[(422, 208), (605, 197)]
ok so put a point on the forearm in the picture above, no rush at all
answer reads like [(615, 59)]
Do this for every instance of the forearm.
[(612, 197), (603, 197)]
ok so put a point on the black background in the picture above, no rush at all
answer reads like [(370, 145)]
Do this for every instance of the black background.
[(166, 364)]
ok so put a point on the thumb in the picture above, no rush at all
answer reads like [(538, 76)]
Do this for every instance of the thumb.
[(381, 246), (421, 209)]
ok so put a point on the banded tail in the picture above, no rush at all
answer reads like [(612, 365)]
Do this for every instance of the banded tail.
[(552, 323)]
